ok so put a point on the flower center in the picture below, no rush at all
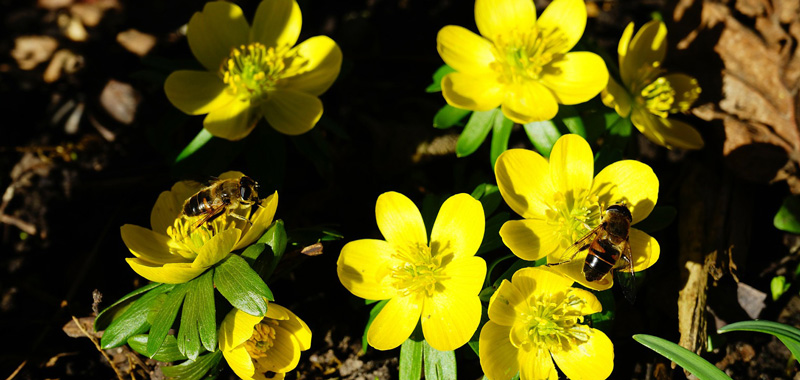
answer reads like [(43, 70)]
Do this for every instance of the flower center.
[(521, 56), (552, 322), (187, 236), (262, 340), (658, 97), (420, 272), (574, 216), (253, 70)]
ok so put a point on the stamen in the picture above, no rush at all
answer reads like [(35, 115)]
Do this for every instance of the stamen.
[(522, 55), (252, 70), (551, 322), (263, 338), (420, 272), (574, 216), (658, 97)]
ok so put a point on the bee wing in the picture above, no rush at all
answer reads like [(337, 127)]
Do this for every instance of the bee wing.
[(581, 245), (625, 275)]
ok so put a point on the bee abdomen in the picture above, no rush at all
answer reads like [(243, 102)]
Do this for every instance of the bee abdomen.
[(599, 261), (196, 205)]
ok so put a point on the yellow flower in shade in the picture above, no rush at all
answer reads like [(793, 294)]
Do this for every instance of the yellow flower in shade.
[(647, 94), (535, 319), (519, 62), (437, 282), (267, 347), (254, 71), (561, 201), (174, 251)]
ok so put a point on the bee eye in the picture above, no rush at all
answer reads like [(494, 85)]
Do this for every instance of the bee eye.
[(245, 192)]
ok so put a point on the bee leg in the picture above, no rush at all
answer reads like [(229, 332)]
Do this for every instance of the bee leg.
[(240, 217)]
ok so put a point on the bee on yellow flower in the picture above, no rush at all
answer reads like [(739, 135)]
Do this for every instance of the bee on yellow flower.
[(519, 62), (535, 319), (254, 72), (437, 282), (647, 94)]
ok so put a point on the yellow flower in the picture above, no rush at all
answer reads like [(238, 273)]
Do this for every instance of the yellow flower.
[(647, 94), (266, 347), (173, 251), (254, 72), (520, 62), (533, 320), (561, 202), (437, 282)]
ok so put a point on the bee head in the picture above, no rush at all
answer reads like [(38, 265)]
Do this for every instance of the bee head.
[(622, 210), (248, 188)]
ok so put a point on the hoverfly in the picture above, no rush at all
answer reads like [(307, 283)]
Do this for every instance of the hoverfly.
[(222, 196)]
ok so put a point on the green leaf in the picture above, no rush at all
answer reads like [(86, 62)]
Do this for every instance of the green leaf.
[(788, 335), (778, 286), (198, 322), (436, 86), (275, 237), (111, 312), (489, 196), (242, 286), (133, 320), (661, 217), (449, 116), (491, 238), (167, 353), (500, 135), (476, 130), (439, 365), (572, 120), (164, 318), (788, 216), (193, 370), (201, 139), (372, 314), (411, 356), (683, 357), (494, 264), (543, 135)]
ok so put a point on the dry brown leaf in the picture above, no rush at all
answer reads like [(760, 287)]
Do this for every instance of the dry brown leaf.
[(64, 61), (54, 4), (136, 42), (120, 100), (30, 51)]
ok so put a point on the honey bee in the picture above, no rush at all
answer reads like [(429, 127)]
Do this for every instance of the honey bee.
[(222, 196), (607, 244)]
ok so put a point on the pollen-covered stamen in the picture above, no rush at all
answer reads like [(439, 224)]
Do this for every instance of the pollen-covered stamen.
[(552, 321), (521, 56), (262, 340), (574, 216), (252, 70), (419, 271), (658, 97), (189, 234)]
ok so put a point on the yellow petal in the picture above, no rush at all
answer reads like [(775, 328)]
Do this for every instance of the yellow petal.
[(148, 245), (295, 326), (236, 328), (277, 23), (324, 60), (675, 133), (449, 319), (530, 239), (498, 356), (686, 91), (292, 112), (260, 221), (279, 313), (536, 365), (644, 248), (213, 32), (458, 229), (617, 97), (196, 92), (576, 78), (571, 166), (625, 42), (173, 273), (233, 122), (504, 17), (506, 305), (591, 303), (395, 323), (630, 181), (240, 362), (531, 101), (591, 360), (464, 275), (472, 92), (217, 248), (647, 49), (540, 281), (164, 212), (465, 51), (283, 356), (400, 221), (564, 20), (648, 124), (523, 178), (365, 268)]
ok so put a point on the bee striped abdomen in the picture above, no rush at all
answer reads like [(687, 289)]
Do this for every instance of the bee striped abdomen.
[(197, 204), (600, 259)]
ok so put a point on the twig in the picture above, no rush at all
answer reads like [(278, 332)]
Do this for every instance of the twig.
[(16, 371), (26, 227), (96, 345)]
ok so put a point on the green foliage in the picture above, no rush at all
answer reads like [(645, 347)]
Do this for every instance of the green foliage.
[(788, 335), (436, 86), (197, 142), (683, 357), (618, 133), (439, 365), (206, 366), (242, 286), (198, 322), (788, 216), (167, 352), (110, 313), (777, 286), (449, 116), (543, 135), (372, 314), (164, 318), (412, 354), (134, 320), (501, 133), (475, 132), (604, 320)]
